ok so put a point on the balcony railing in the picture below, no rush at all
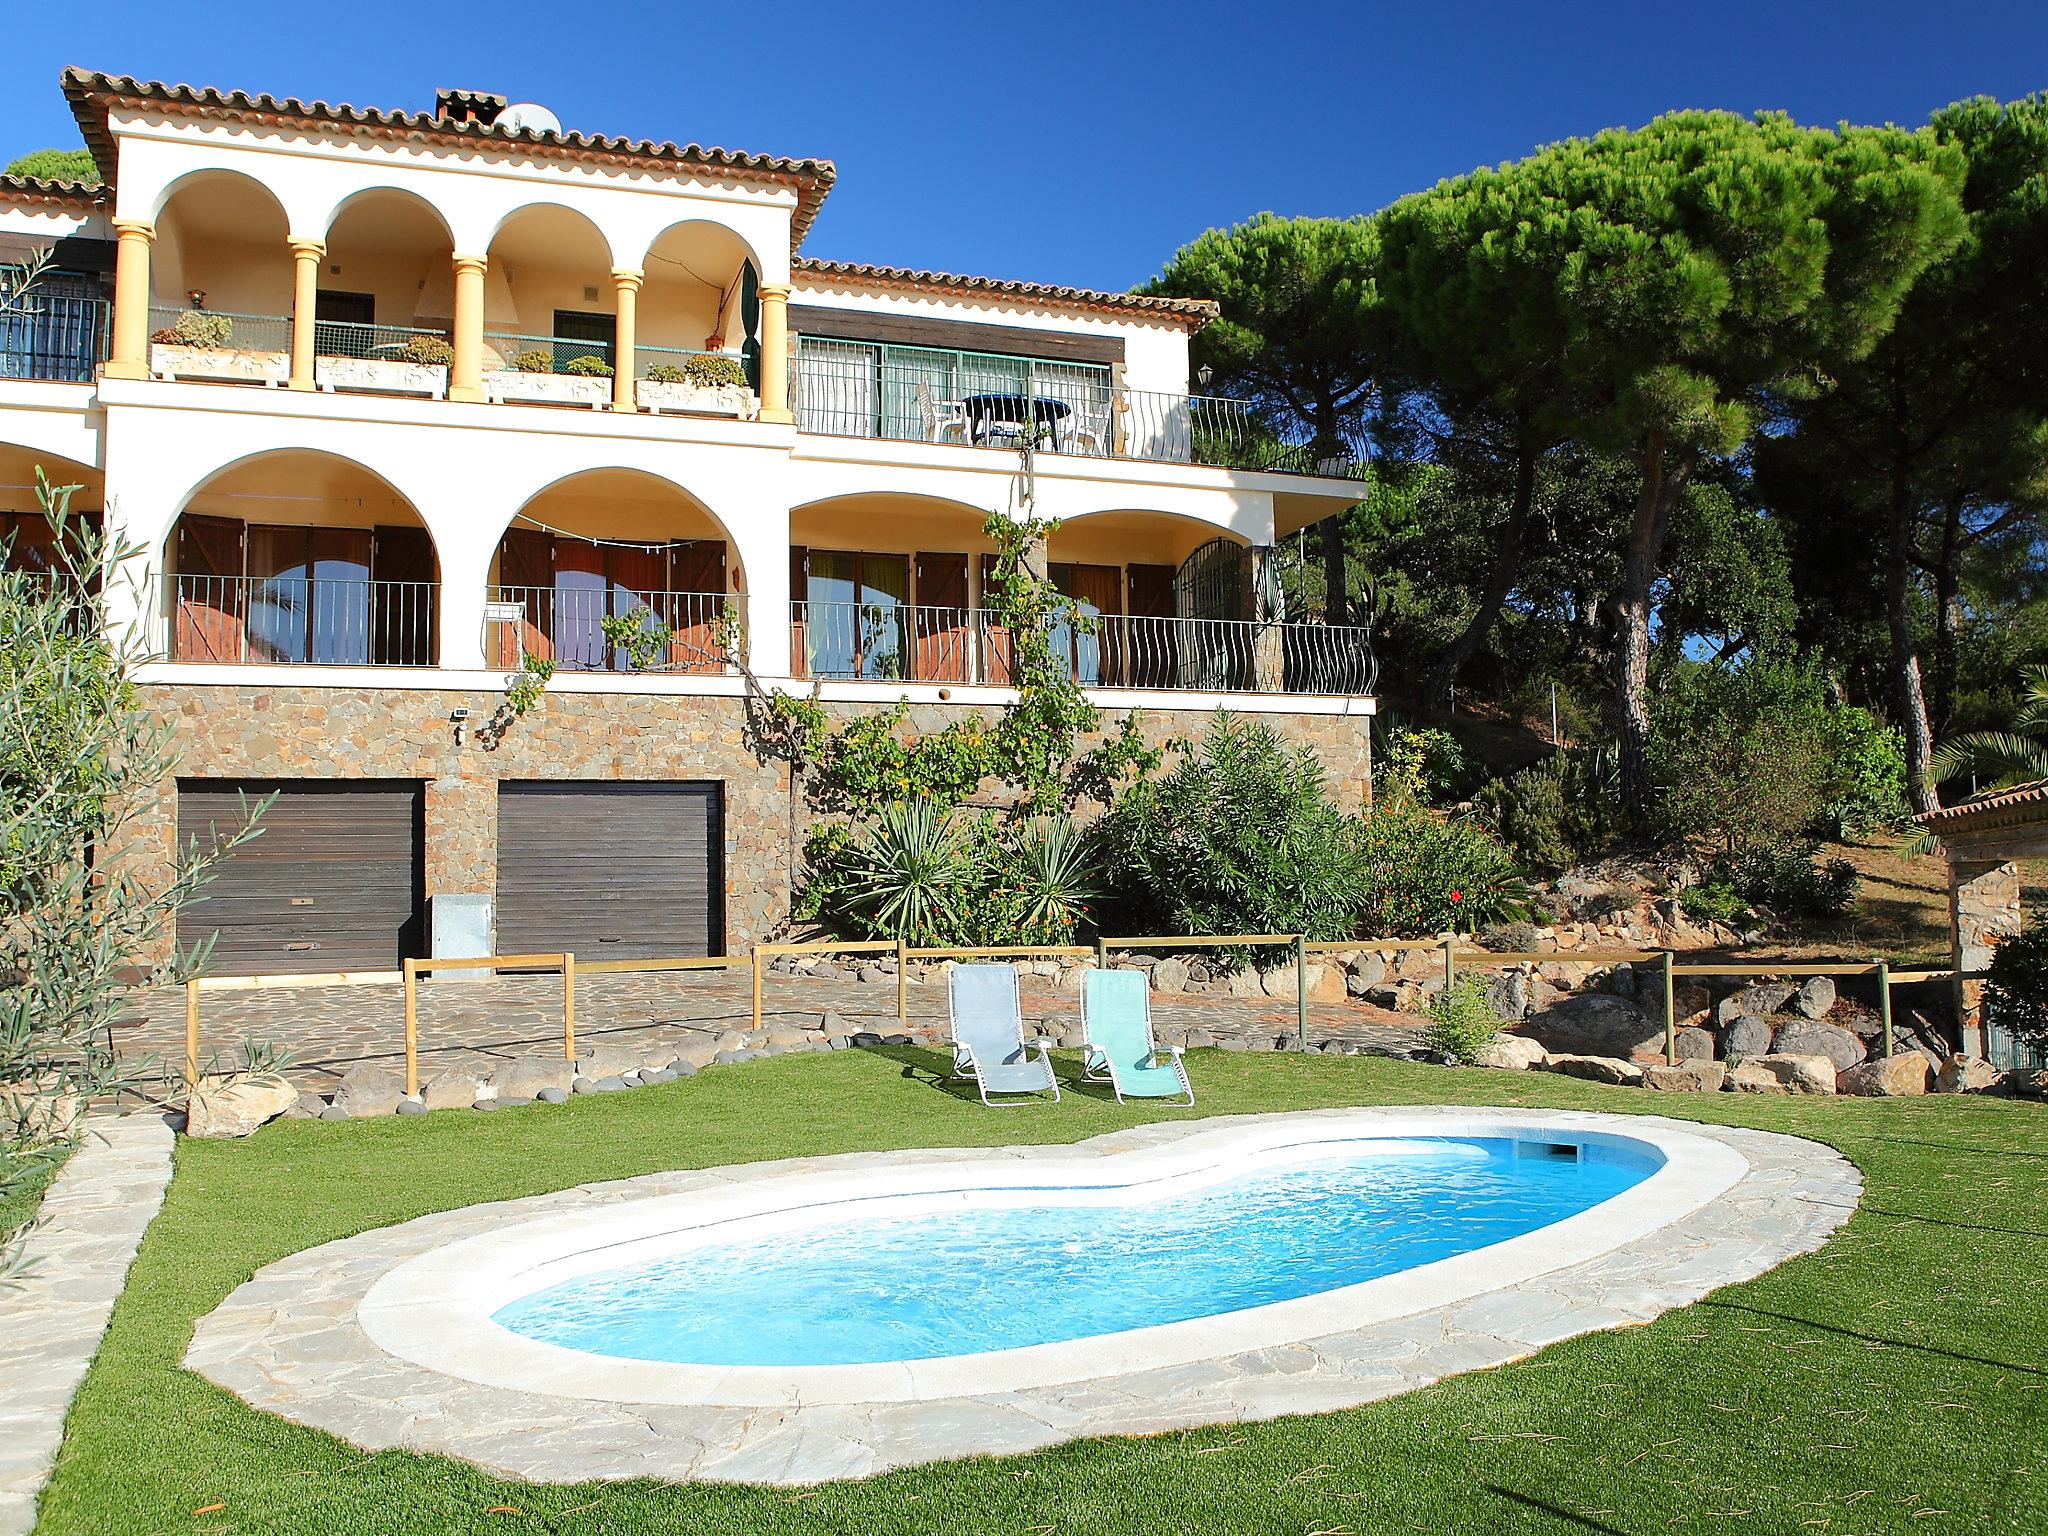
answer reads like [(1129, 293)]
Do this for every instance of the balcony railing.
[(301, 620), (900, 394), (239, 332), (678, 632), (900, 643), (56, 337), (374, 343), (509, 346)]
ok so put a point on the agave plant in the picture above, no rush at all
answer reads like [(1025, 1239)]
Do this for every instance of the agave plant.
[(1055, 876), (2000, 759), (907, 871)]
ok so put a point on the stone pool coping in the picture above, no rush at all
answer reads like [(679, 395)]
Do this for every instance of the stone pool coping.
[(292, 1340)]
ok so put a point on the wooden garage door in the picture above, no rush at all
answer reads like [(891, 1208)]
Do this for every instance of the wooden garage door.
[(611, 871), (333, 883)]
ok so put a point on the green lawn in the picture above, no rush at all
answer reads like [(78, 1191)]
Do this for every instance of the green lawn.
[(1894, 1381)]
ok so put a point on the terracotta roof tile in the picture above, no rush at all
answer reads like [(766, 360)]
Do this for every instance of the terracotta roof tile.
[(1197, 311), (92, 94), (34, 189), (1989, 805)]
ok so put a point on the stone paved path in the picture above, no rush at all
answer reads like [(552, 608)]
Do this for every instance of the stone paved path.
[(91, 1224), (327, 1030), (289, 1340)]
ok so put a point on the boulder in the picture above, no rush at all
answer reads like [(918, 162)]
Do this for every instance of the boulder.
[(1695, 1044), (1700, 1076), (39, 1110), (697, 1052), (1597, 1069), (1363, 974), (368, 1091), (607, 1061), (553, 1094), (1597, 1024), (1418, 964), (1691, 1003), (1814, 998), (1513, 1053), (1245, 983), (1170, 975), (1780, 1073), (526, 1076), (219, 1108), (1278, 982), (1509, 995), (1766, 997), (411, 1107), (1747, 1036), (1326, 984), (1966, 1074), (1806, 1037), (456, 1089), (1888, 1077)]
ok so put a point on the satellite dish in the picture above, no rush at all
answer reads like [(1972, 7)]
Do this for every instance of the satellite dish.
[(526, 116)]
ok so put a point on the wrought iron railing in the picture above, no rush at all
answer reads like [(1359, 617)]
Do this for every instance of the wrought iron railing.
[(301, 620), (902, 642), (57, 337), (846, 389), (680, 632)]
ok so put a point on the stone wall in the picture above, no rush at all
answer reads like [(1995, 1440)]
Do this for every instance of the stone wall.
[(231, 731)]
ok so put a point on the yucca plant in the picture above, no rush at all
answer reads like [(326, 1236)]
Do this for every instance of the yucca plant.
[(907, 872), (1051, 878), (2000, 759)]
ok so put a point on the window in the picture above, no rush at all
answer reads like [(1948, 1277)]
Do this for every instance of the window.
[(855, 612), (873, 389), (56, 330), (584, 333), (341, 323)]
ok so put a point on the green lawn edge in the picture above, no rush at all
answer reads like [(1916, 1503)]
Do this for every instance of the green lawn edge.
[(1893, 1381)]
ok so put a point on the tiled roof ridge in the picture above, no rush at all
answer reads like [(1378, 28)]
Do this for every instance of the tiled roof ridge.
[(1200, 310), (2032, 792)]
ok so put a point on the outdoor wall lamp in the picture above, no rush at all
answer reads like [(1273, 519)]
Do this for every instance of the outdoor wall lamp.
[(459, 718), (197, 297)]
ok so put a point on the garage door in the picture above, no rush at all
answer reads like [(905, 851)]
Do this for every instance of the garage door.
[(611, 871), (334, 883)]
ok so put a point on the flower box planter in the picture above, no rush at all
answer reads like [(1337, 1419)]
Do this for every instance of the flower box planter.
[(170, 360), (698, 399), (506, 384), (386, 375)]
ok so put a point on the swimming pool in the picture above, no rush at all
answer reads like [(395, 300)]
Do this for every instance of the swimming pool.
[(1011, 1269)]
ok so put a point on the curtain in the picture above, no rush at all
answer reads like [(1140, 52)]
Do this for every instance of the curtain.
[(836, 387)]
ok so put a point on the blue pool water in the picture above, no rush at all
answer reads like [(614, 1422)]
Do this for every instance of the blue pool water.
[(861, 1290)]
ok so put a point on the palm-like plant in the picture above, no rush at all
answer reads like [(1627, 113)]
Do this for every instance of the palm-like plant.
[(906, 872), (1055, 868), (2000, 759)]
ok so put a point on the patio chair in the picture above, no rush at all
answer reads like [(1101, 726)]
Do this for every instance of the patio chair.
[(1116, 1024), (940, 416), (1088, 432), (988, 1037)]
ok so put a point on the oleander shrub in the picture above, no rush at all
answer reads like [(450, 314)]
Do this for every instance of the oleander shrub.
[(1425, 875), (1420, 763), (587, 367), (2016, 992), (428, 351), (1462, 1023), (1788, 879)]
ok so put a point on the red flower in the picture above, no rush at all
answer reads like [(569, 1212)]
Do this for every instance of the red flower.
[(1457, 895)]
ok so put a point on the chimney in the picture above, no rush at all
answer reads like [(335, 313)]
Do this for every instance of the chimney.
[(479, 107)]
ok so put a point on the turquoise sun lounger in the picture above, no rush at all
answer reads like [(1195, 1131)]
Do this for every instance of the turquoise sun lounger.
[(1116, 1022)]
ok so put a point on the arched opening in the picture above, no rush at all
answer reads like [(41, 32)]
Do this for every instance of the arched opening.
[(220, 275), (1124, 570), (614, 570), (548, 296), (301, 558), (699, 297), (888, 586), (386, 301), (30, 541)]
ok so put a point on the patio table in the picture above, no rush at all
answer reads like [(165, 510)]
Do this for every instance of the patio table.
[(985, 411)]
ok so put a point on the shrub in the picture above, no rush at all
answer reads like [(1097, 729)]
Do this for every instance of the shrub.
[(712, 371), (2016, 992), (535, 360), (1239, 836), (666, 373), (1785, 879), (1512, 938), (202, 328), (905, 873), (1867, 762), (1423, 875), (428, 351), (1420, 764), (1035, 882), (588, 367), (1559, 810), (1715, 901), (1462, 1023)]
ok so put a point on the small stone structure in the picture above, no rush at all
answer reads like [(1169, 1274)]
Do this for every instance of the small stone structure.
[(1983, 838)]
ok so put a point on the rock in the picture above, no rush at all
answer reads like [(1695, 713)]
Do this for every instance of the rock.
[(368, 1091), (1814, 998), (1888, 1077), (525, 1076), (1766, 997), (1199, 1039), (1363, 974), (871, 974), (1748, 1036), (335, 1112), (1170, 975), (1419, 964), (727, 1057), (1698, 1076), (1278, 982), (1512, 1053), (1509, 995), (2026, 1082), (553, 1095), (1597, 1069), (694, 1053), (658, 1075), (1782, 1073), (1625, 981), (308, 1107), (411, 1107), (1693, 1043), (607, 1061), (1384, 997), (1246, 983), (218, 1109), (1805, 1037), (1966, 1074), (1691, 1002), (487, 1104), (42, 1109), (1326, 984), (450, 1090), (1597, 1024)]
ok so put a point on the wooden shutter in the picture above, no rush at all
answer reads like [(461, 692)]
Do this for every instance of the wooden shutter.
[(1152, 653), (999, 658), (211, 598), (526, 561), (696, 577), (944, 626), (635, 579), (799, 593), (402, 623)]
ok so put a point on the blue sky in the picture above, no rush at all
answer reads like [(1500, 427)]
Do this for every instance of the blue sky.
[(1075, 143)]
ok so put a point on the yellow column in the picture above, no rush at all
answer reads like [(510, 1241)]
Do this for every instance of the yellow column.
[(128, 356), (626, 288), (775, 354), (466, 377), (306, 256)]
